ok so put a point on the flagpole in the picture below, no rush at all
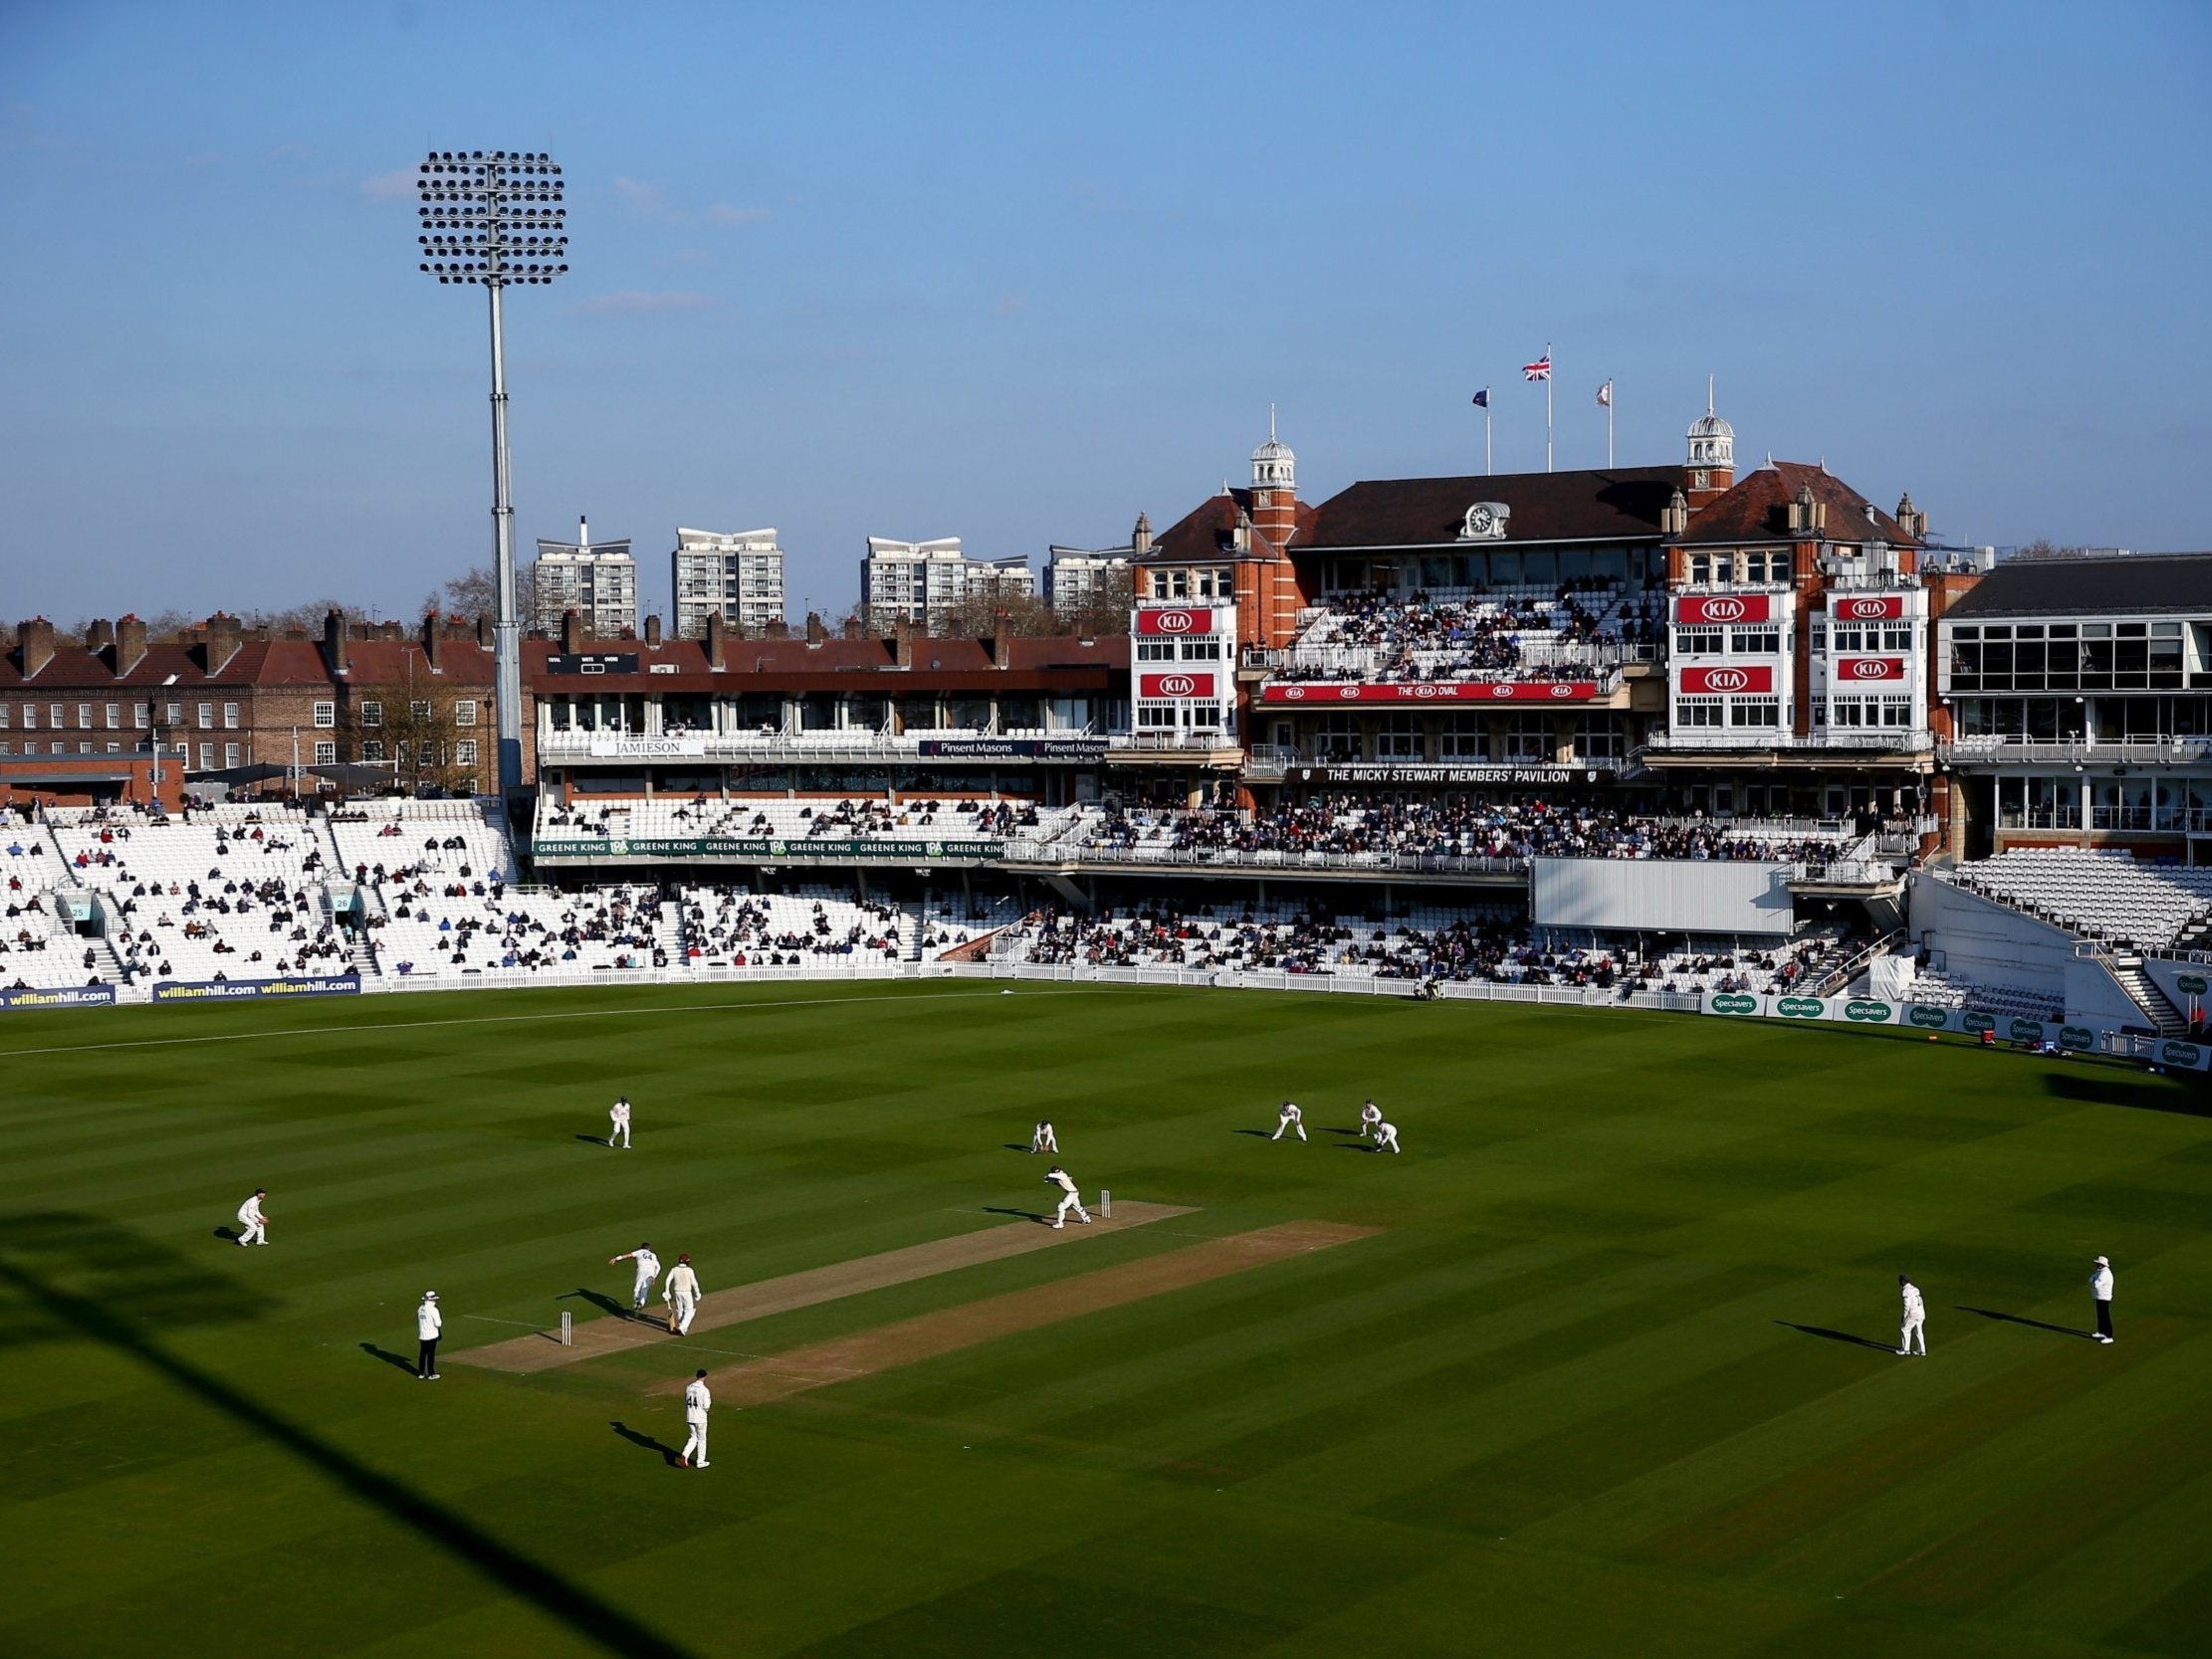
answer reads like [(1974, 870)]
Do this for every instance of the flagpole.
[(1487, 469), (1554, 370), (1609, 395)]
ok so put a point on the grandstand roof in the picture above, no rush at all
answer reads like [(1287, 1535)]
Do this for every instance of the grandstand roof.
[(2158, 584), (1758, 508), (1597, 505)]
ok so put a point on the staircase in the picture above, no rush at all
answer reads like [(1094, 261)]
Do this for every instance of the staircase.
[(2155, 1004)]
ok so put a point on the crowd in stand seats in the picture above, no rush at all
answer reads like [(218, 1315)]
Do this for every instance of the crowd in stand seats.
[(1520, 827), (1415, 637), (780, 818), (497, 932), (738, 929), (1493, 946)]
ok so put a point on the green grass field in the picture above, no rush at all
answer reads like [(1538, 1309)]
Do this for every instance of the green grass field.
[(1593, 1390)]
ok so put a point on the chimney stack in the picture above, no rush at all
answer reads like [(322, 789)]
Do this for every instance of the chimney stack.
[(98, 634), (131, 644), (718, 642), (852, 628), (572, 633), (483, 633), (35, 638), (816, 631), (433, 638), (902, 642), (223, 640), (653, 631), (334, 640), (1002, 641)]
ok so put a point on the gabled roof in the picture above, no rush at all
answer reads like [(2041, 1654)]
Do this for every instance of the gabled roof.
[(1758, 508), (2138, 584), (385, 662), (1597, 505), (1209, 532)]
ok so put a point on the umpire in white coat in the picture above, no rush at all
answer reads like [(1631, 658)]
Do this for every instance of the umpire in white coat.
[(429, 1324)]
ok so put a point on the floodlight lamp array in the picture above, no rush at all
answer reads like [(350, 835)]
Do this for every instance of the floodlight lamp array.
[(477, 228)]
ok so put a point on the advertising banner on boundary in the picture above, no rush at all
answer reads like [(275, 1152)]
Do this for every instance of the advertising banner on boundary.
[(1925, 1016), (799, 847), (224, 990), (60, 996)]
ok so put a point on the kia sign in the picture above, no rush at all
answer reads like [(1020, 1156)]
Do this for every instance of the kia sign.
[(1175, 685), (1174, 622), (1715, 609), (1435, 691), (1756, 680), (1871, 668), (1886, 608)]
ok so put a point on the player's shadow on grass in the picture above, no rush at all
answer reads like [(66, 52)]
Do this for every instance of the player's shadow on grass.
[(229, 1235), (2106, 1086), (389, 1357), (669, 1454), (1262, 1134), (1838, 1336), (124, 1260), (1002, 1209), (1017, 1147), (2032, 1323), (596, 1139), (605, 1304)]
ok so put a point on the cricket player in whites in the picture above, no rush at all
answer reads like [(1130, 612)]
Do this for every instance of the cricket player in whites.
[(619, 1123), (648, 1270), (698, 1401), (682, 1295), (1069, 1200), (1914, 1317), (1290, 1117), (1370, 1116), (1385, 1135), (1042, 1140), (253, 1226)]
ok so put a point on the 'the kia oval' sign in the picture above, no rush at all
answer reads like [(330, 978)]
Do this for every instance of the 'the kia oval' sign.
[(1720, 608), (1437, 691), (1728, 682)]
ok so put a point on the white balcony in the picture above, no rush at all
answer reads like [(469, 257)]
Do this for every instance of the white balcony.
[(2074, 752)]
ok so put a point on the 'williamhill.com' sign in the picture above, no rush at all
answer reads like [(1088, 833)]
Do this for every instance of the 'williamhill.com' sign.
[(73, 996), (223, 990)]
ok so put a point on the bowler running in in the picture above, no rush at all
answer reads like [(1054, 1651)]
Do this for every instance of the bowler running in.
[(648, 1270)]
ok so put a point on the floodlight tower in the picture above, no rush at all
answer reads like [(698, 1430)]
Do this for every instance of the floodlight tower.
[(495, 218)]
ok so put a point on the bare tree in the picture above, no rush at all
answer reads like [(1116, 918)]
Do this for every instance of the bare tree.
[(1106, 610), (472, 593), (412, 724)]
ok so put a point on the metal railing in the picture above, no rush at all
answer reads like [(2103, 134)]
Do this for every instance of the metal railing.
[(1142, 855), (2126, 751)]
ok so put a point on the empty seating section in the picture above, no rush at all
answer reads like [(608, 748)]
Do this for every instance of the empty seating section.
[(235, 893), (38, 949), (1567, 632), (2101, 895)]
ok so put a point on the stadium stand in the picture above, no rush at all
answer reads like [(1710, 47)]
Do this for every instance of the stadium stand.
[(2108, 895), (784, 819), (1505, 634)]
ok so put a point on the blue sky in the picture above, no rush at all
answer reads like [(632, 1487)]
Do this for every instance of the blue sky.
[(1016, 272)]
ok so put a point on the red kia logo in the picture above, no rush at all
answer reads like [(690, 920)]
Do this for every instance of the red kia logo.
[(1869, 668), (1859, 609), (1501, 690), (1723, 610), (1350, 692), (1424, 691), (1291, 694), (1560, 687), (1174, 622), (1177, 685), (1726, 679)]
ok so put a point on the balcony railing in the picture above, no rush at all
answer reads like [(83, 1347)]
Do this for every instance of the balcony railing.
[(1143, 854), (2076, 752), (774, 744), (1854, 740), (1198, 738)]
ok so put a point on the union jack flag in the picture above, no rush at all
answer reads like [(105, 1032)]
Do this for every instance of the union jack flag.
[(1540, 369)]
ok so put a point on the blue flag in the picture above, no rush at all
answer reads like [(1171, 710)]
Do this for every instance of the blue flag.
[(1482, 398)]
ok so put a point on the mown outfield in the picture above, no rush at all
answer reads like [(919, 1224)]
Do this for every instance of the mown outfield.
[(1610, 1375)]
